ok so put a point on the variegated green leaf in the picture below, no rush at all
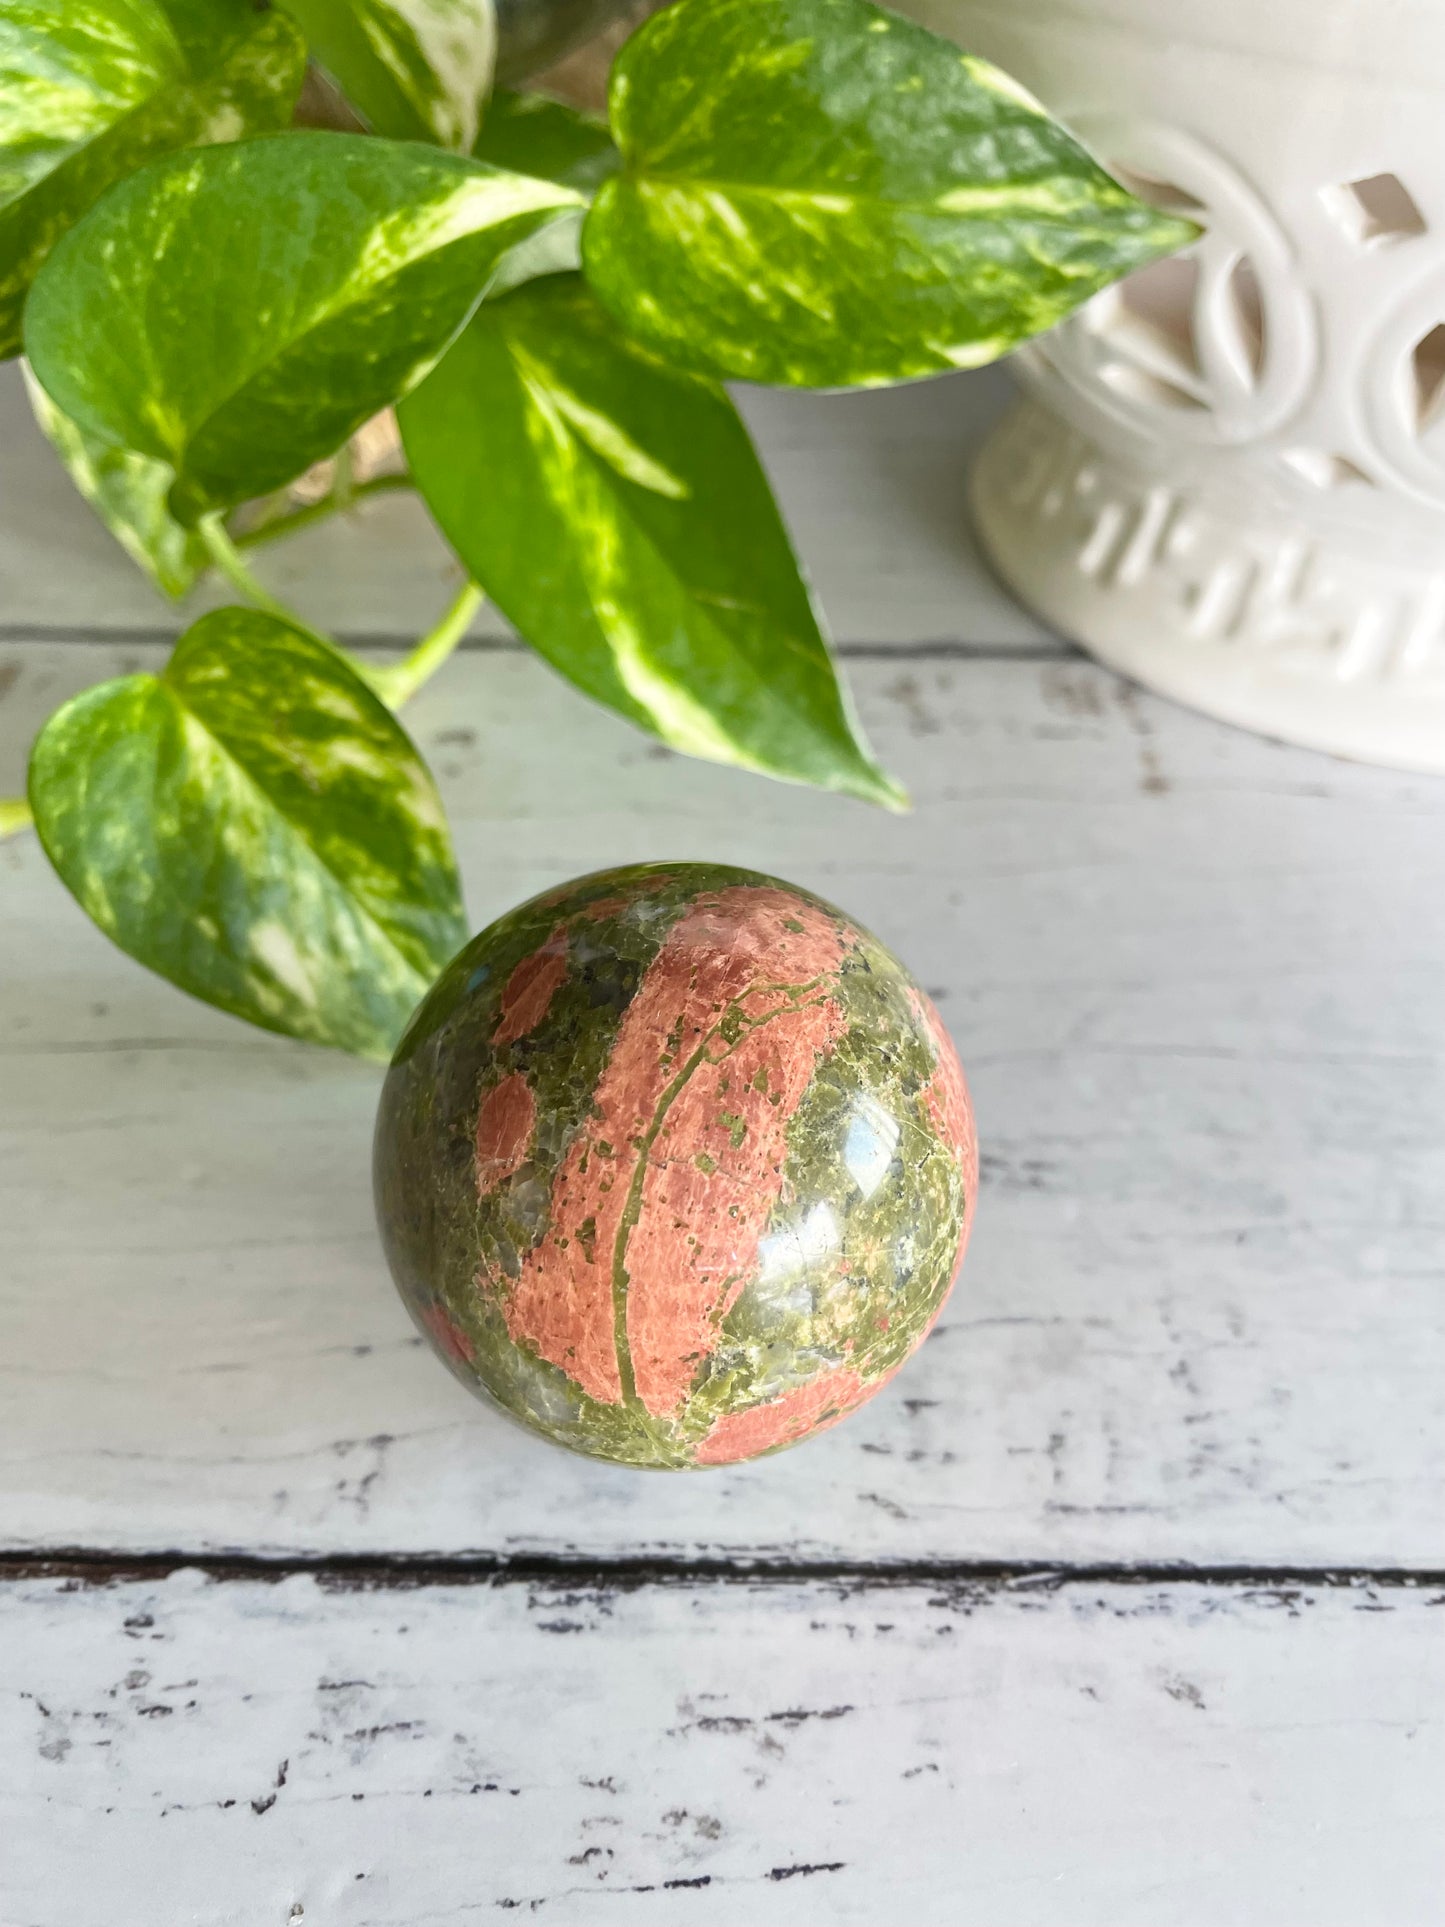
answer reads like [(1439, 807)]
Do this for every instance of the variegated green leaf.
[(616, 513), (92, 88), (415, 69), (530, 134), (239, 311), (817, 193), (255, 825), (129, 494)]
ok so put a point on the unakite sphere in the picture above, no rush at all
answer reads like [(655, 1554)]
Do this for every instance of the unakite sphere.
[(675, 1163)]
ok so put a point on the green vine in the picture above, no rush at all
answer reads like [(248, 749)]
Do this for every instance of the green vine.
[(813, 193)]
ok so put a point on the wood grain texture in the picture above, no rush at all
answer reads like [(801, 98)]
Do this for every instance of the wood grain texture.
[(791, 1755), (872, 486), (1195, 978)]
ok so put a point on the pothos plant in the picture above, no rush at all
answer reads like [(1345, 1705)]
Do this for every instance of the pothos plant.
[(212, 300)]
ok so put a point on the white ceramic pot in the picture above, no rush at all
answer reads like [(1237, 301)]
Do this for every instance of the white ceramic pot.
[(1227, 477)]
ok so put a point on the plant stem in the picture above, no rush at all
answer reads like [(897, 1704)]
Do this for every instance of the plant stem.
[(403, 679), (227, 558), (14, 816), (395, 683), (224, 554), (343, 488), (292, 523)]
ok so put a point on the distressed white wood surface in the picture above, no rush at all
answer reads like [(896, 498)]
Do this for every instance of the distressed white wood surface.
[(872, 485), (1196, 979), (1197, 982), (1099, 1756)]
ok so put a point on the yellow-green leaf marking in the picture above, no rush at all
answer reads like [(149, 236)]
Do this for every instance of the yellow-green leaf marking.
[(615, 511), (238, 312), (255, 825), (89, 89), (817, 193), (416, 69)]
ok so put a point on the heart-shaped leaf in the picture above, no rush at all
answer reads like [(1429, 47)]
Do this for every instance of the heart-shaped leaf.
[(416, 69), (255, 825), (129, 494), (616, 513), (92, 88), (239, 311), (530, 134), (818, 193)]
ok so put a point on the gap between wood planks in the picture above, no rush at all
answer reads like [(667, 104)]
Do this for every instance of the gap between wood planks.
[(364, 1572), (14, 634)]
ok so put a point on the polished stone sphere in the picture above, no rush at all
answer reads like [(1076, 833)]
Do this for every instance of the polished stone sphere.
[(675, 1163)]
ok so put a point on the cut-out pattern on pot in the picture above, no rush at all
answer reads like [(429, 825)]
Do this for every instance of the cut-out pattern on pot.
[(1215, 346), (1404, 393), (1374, 212)]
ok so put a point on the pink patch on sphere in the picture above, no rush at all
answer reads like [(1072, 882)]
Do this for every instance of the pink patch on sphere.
[(677, 1091), (451, 1340), (505, 1123), (603, 908), (811, 1408), (530, 990), (715, 1169)]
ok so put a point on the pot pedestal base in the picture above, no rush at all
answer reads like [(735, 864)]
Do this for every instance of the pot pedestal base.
[(1217, 597)]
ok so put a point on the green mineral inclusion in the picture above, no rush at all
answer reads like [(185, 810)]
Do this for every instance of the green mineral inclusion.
[(866, 1177)]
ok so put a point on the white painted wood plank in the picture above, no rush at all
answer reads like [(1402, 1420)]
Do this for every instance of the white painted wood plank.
[(1196, 980), (791, 1756), (872, 485)]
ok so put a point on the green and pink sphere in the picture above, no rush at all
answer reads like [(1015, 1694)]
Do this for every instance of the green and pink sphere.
[(676, 1164)]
